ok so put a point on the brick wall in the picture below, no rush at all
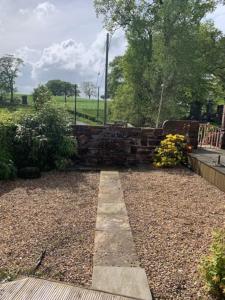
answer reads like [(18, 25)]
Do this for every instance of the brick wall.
[(114, 145), (187, 128)]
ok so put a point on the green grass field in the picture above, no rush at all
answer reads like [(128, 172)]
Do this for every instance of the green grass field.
[(84, 106)]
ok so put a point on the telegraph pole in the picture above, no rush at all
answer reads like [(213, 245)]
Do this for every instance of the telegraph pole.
[(98, 103), (160, 105), (75, 104), (106, 78)]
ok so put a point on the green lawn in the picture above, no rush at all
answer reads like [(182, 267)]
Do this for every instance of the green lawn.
[(84, 106)]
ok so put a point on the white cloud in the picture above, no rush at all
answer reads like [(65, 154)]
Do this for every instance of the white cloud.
[(24, 11), (70, 60), (44, 10), (28, 55)]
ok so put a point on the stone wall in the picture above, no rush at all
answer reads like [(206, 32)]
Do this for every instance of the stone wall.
[(187, 128), (114, 145)]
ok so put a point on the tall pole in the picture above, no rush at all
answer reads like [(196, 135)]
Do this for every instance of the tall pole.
[(223, 119), (75, 104), (160, 106), (106, 78), (223, 129), (98, 103)]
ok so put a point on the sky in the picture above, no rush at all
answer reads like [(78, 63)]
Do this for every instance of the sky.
[(60, 39)]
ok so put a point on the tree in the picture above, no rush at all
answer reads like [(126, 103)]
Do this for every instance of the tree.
[(89, 89), (56, 87), (116, 77), (169, 43), (41, 96), (9, 69), (60, 88)]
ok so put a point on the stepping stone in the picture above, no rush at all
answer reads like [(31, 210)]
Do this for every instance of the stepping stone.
[(115, 248), (111, 222), (129, 282), (117, 208)]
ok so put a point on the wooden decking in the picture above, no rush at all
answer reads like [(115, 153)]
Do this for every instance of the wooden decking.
[(38, 289)]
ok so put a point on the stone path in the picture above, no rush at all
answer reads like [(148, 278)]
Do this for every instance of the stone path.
[(116, 267)]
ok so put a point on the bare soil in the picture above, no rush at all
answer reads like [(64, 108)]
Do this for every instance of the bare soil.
[(172, 215), (56, 214)]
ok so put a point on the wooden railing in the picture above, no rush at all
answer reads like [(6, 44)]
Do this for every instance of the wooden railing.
[(210, 136)]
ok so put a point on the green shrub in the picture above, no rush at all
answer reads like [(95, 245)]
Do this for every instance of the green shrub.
[(29, 173), (7, 168), (172, 151), (43, 139), (41, 96), (212, 266)]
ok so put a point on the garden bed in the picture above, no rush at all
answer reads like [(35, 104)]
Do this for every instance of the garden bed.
[(56, 214), (172, 214)]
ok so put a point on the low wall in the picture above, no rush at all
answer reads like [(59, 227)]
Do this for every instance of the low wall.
[(213, 174), (187, 128), (115, 145)]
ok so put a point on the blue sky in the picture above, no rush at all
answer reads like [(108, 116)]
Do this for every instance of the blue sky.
[(60, 39)]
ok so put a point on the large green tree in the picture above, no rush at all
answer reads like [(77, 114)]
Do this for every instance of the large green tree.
[(9, 70), (61, 88), (116, 77), (168, 43)]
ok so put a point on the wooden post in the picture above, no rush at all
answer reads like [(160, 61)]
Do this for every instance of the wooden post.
[(223, 130)]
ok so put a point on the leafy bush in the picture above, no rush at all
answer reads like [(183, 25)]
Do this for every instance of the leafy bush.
[(42, 139), (212, 267), (29, 173), (172, 151), (7, 168), (41, 96)]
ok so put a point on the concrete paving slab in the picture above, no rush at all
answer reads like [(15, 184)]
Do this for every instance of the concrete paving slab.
[(115, 248), (118, 208), (129, 282), (109, 196), (111, 222)]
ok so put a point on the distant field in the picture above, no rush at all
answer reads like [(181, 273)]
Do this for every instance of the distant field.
[(86, 109)]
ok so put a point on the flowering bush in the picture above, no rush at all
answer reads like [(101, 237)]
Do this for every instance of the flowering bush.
[(212, 267), (172, 151)]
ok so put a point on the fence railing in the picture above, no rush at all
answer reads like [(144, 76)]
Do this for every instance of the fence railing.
[(210, 136)]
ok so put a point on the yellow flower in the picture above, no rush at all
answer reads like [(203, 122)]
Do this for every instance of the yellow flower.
[(216, 279)]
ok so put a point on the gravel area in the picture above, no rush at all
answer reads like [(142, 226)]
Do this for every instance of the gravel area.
[(172, 214), (56, 213)]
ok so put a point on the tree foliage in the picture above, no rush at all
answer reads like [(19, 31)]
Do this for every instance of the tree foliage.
[(9, 69), (89, 89), (41, 96), (61, 88), (116, 77), (169, 42)]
